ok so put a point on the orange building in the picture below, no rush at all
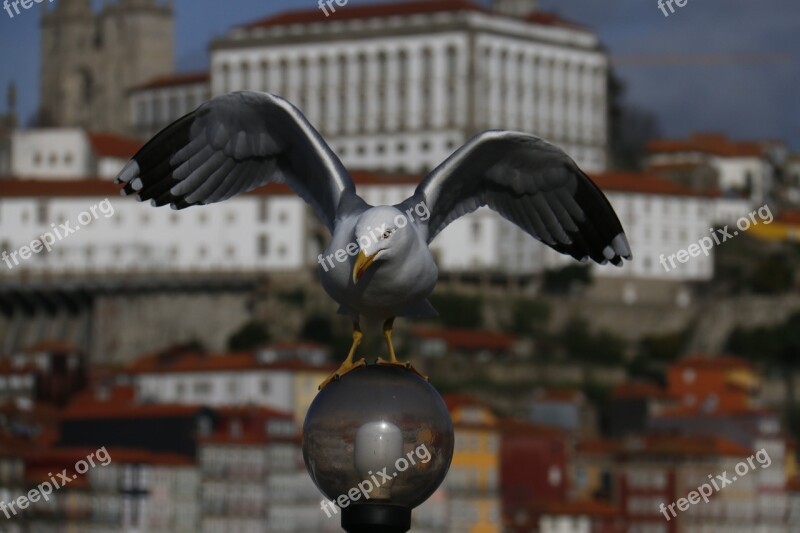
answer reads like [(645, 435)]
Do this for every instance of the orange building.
[(712, 384)]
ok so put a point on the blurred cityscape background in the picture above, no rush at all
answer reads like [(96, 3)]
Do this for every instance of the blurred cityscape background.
[(190, 343)]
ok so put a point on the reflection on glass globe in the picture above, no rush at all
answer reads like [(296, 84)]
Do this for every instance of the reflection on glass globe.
[(377, 443)]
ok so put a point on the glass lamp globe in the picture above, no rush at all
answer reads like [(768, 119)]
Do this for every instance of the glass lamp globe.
[(377, 443)]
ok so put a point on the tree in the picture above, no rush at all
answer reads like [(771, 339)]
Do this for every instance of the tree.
[(567, 279), (582, 344), (249, 336), (773, 275), (630, 128), (457, 311), (317, 328), (777, 346), (529, 317)]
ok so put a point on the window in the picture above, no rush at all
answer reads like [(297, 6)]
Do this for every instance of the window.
[(263, 245), (42, 213), (476, 230), (202, 388), (263, 210)]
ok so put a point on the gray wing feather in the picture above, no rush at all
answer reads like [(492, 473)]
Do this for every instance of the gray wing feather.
[(233, 144), (533, 184)]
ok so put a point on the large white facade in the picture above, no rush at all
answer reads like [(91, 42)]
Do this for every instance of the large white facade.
[(400, 93), (272, 230)]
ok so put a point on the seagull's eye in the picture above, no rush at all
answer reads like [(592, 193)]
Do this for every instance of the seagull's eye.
[(387, 234)]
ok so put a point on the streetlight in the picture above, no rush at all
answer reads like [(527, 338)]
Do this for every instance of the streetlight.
[(377, 443)]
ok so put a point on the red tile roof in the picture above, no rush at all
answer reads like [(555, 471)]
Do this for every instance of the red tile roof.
[(644, 184), (53, 346), (111, 145), (415, 7), (467, 339), (790, 217), (661, 445), (707, 143), (579, 508), (193, 361), (713, 362), (457, 401), (399, 9), (175, 80), (101, 410), (558, 395), (551, 19), (98, 187), (639, 389)]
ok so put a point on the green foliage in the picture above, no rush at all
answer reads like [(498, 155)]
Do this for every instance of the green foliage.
[(581, 344), (295, 298), (777, 345), (663, 348), (773, 275), (249, 336), (567, 279), (317, 328), (529, 316), (458, 311)]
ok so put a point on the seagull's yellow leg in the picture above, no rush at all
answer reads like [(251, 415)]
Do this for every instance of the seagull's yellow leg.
[(348, 365), (387, 334)]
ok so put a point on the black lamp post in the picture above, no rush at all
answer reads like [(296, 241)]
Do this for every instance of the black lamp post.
[(377, 443)]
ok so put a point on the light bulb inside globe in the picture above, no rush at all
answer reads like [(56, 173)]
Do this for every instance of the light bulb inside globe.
[(378, 445)]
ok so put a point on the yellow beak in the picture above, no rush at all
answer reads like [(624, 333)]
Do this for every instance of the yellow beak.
[(363, 262)]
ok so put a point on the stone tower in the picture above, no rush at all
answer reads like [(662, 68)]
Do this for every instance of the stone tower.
[(514, 8), (91, 59)]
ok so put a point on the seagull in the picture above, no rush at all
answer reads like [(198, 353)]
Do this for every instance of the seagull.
[(378, 264)]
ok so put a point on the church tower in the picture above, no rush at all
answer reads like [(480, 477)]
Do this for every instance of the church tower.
[(514, 8), (91, 59)]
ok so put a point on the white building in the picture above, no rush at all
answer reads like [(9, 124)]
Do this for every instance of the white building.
[(64, 153), (737, 168), (397, 87), (272, 230), (164, 100)]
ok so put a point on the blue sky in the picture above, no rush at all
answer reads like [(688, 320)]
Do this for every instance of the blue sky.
[(743, 98)]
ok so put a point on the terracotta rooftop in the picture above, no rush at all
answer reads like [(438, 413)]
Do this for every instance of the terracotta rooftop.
[(114, 410), (578, 508), (707, 143), (639, 389), (670, 445), (467, 339), (100, 187), (558, 395), (713, 362), (397, 9), (54, 346), (111, 145), (194, 361), (633, 182), (175, 80)]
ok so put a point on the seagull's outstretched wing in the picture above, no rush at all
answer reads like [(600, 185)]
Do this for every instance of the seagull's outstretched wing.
[(531, 183), (233, 144)]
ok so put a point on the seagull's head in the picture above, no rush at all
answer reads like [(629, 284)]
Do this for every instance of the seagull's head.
[(383, 234)]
